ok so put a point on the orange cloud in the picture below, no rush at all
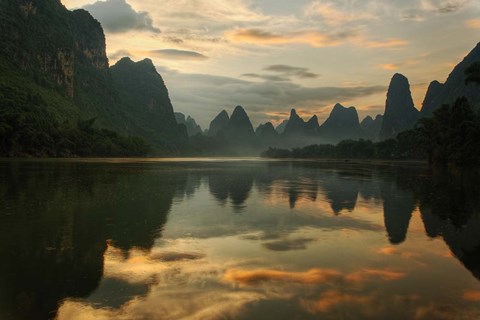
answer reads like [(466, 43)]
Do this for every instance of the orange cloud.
[(313, 38), (471, 295), (388, 251), (332, 298), (473, 23), (391, 43), (316, 39), (397, 66), (390, 66), (312, 276), (367, 274), (333, 16)]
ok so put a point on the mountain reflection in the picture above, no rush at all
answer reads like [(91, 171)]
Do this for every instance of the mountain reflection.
[(64, 226), (58, 218)]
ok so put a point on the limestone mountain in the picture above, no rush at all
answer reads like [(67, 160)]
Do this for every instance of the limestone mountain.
[(343, 123), (312, 126), (267, 134), (295, 126), (239, 127), (371, 127), (219, 123), (454, 87), (400, 112), (192, 127), (59, 55), (281, 127), (53, 67), (146, 102), (298, 132)]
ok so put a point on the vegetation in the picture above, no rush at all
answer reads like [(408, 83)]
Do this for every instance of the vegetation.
[(451, 136), (27, 128), (473, 74)]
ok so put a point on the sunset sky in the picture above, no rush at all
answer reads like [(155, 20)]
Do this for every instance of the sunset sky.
[(271, 55)]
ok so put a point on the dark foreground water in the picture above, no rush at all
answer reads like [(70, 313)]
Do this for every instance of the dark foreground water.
[(237, 240)]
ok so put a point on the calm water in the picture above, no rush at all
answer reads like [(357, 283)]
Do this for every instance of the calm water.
[(237, 240)]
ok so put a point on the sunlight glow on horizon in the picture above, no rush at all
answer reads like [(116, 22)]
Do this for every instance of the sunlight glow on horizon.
[(202, 49)]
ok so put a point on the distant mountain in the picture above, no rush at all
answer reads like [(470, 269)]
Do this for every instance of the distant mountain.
[(267, 134), (400, 113), (343, 123), (239, 127), (295, 126), (219, 123), (298, 133), (146, 102), (281, 127), (312, 126), (371, 127), (192, 127), (454, 87)]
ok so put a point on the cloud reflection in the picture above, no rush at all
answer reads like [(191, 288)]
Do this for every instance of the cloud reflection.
[(312, 276)]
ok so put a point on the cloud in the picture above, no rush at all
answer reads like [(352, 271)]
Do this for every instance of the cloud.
[(388, 43), (332, 298), (472, 296), (473, 23), (118, 16), (214, 93), (292, 71), (312, 38), (254, 277), (174, 54), (117, 55), (398, 65), (285, 73), (176, 256), (265, 77), (334, 16), (288, 245), (314, 276), (449, 6)]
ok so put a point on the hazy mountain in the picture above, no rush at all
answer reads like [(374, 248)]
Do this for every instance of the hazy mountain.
[(371, 127), (219, 123), (295, 126), (239, 127), (454, 87), (312, 126), (281, 127), (343, 123), (400, 113), (146, 102), (192, 127), (267, 135)]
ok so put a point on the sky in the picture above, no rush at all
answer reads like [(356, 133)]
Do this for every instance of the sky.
[(273, 55)]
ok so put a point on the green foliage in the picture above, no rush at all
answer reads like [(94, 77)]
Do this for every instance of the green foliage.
[(27, 128), (452, 135), (351, 149), (473, 74)]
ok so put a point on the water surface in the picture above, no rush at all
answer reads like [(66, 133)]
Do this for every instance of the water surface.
[(237, 239)]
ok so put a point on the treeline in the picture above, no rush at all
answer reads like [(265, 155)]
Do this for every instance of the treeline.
[(27, 129), (451, 136)]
